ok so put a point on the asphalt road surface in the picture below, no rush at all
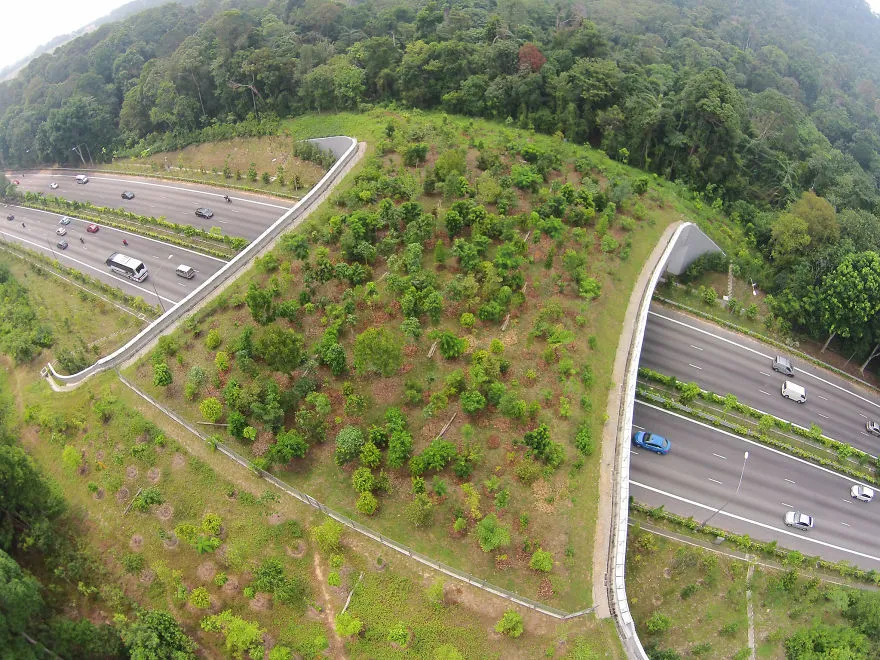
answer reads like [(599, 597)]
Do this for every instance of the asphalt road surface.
[(725, 362), (701, 472), (246, 216), (89, 256)]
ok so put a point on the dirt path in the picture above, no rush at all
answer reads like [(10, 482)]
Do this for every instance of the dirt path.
[(337, 647)]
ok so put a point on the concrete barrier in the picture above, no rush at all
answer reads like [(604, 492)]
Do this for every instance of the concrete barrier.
[(620, 491), (164, 323)]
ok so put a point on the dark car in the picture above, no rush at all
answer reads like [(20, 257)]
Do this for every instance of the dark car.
[(10, 217), (204, 213), (62, 245), (127, 195), (652, 442)]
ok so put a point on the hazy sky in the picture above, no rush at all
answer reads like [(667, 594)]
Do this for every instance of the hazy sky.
[(28, 24)]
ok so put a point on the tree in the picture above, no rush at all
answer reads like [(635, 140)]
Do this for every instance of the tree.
[(378, 350), (289, 444), (824, 641), (820, 217), (349, 442), (20, 602), (367, 504), (241, 636), (850, 296), (281, 349), (510, 624), (450, 345), (28, 506), (161, 374), (260, 302), (491, 534), (327, 536), (790, 238), (156, 634), (420, 511)]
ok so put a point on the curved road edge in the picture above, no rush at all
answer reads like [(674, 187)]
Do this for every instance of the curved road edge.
[(143, 341), (609, 557)]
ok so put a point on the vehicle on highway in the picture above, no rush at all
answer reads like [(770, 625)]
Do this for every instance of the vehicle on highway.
[(127, 195), (62, 244), (128, 266), (872, 427), (204, 213), (783, 365), (16, 182), (794, 392), (82, 178), (10, 217), (61, 231), (53, 186), (799, 520), (185, 271), (861, 493), (652, 442), (64, 221), (92, 229)]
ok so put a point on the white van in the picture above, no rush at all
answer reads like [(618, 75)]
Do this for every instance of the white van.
[(794, 392), (185, 271), (82, 178)]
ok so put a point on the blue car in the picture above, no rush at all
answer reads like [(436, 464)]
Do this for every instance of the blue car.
[(652, 442)]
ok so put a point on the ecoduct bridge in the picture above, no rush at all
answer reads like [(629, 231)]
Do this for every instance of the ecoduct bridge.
[(686, 243)]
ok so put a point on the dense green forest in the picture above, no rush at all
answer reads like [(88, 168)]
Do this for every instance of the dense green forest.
[(750, 104)]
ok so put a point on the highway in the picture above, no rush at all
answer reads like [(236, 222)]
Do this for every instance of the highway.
[(90, 255), (701, 473), (725, 362), (246, 216)]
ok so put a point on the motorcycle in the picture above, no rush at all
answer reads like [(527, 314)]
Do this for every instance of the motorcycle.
[(226, 197)]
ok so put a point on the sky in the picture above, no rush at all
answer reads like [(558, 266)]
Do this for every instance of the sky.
[(28, 24)]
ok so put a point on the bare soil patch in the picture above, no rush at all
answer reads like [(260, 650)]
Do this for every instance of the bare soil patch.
[(231, 586), (297, 551), (165, 512), (154, 475), (131, 472), (122, 495), (178, 461), (261, 602), (275, 519), (99, 494), (136, 543), (206, 571), (171, 542)]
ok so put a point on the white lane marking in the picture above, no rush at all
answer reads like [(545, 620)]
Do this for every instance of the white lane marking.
[(863, 415), (763, 392), (128, 233), (697, 347), (790, 481), (752, 350), (716, 481), (633, 452), (188, 190), (89, 266), (719, 456), (823, 416), (846, 524), (766, 374), (636, 426), (822, 397), (777, 530), (863, 433), (785, 504), (695, 366), (755, 444)]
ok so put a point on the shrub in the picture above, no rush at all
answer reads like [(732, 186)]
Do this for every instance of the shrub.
[(472, 402), (459, 525), (399, 634), (729, 629), (528, 471), (511, 624), (658, 623), (211, 524), (347, 625), (333, 579), (688, 591), (541, 561), (200, 598), (362, 480), (327, 536), (133, 562), (370, 456), (491, 534), (212, 341), (147, 498), (583, 440), (211, 409), (71, 458), (467, 320), (420, 512), (451, 346), (378, 350), (349, 443), (161, 375)]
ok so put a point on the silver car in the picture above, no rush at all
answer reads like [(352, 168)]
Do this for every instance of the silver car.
[(861, 493), (783, 365), (799, 520), (872, 427)]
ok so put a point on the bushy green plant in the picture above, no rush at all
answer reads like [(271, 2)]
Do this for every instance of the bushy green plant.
[(511, 624), (200, 598), (327, 535), (541, 561)]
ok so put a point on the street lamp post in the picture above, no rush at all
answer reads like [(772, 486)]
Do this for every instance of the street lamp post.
[(156, 291), (729, 499), (79, 153)]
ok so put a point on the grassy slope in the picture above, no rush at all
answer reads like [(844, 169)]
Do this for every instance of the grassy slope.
[(658, 569)]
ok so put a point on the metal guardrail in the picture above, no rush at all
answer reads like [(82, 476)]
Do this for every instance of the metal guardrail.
[(362, 529), (620, 492), (165, 322)]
